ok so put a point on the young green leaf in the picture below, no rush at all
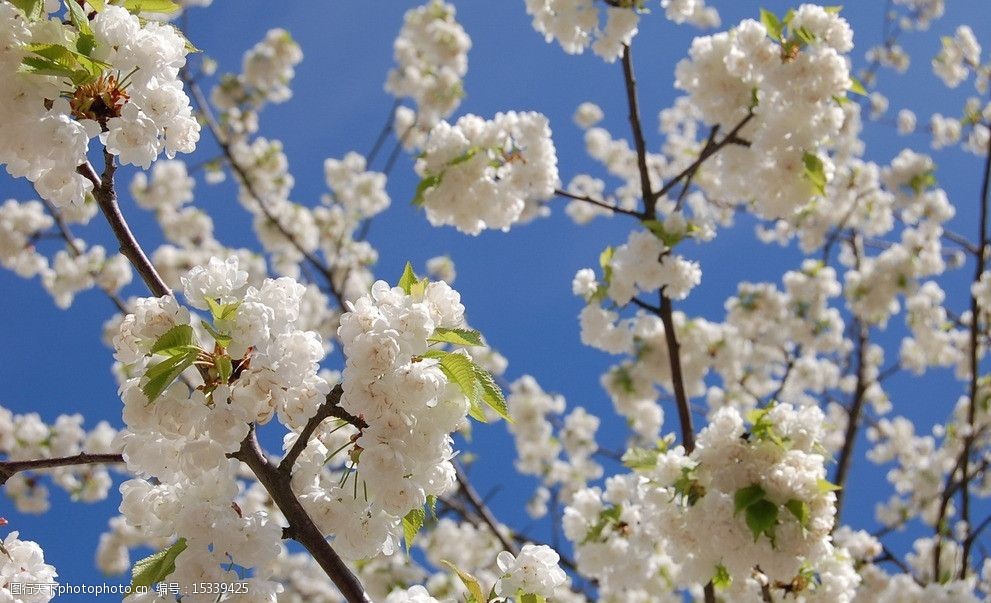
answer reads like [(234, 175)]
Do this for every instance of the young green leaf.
[(721, 579), (475, 594), (761, 517), (815, 172), (408, 279), (427, 183), (224, 368), (642, 459), (222, 339), (857, 87), (155, 568), (178, 336), (463, 337), (533, 598), (745, 497), (161, 375), (491, 393), (772, 24), (78, 18), (151, 6), (411, 526), (800, 509), (824, 485), (32, 9)]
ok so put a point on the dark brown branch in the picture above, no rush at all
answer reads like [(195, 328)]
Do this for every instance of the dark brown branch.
[(731, 138), (677, 379), (691, 175), (330, 408), (106, 199), (10, 468), (973, 349), (629, 78), (301, 527), (602, 204), (853, 416)]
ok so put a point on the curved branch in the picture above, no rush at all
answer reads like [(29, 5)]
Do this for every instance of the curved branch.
[(106, 199), (596, 202), (330, 408), (10, 468), (301, 527), (483, 511)]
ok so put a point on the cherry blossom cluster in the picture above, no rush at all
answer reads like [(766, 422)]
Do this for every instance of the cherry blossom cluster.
[(71, 270), (121, 86), (750, 505), (22, 562), (431, 53), (578, 24), (25, 437), (267, 71), (410, 408), (189, 400), (479, 174), (539, 443), (785, 83)]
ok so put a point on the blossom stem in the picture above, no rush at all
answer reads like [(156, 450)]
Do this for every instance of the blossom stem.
[(330, 408)]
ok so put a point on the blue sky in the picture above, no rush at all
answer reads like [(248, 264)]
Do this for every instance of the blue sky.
[(516, 286)]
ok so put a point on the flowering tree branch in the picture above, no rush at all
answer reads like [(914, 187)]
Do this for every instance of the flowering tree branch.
[(106, 199), (330, 408), (303, 530), (629, 78), (10, 468)]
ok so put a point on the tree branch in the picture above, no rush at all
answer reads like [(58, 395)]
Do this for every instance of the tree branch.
[(330, 408), (853, 416), (602, 204), (638, 140), (10, 468), (106, 199), (301, 527), (483, 511)]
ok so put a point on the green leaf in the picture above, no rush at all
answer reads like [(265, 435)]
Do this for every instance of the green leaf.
[(163, 374), (408, 279), (605, 262), (745, 497), (824, 485), (224, 367), (923, 181), (32, 9), (151, 6), (464, 337), (772, 24), (222, 339), (761, 518), (721, 579), (640, 459), (669, 239), (786, 21), (411, 526), (460, 370), (221, 311), (97, 5), (432, 505), (42, 66), (427, 183), (857, 87), (805, 36), (815, 172), (179, 336), (155, 568), (800, 509), (533, 598), (85, 43), (833, 10), (78, 18), (475, 594), (606, 517), (491, 393)]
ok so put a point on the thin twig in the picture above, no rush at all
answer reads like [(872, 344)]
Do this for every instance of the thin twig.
[(483, 511), (629, 78), (10, 468), (596, 202)]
